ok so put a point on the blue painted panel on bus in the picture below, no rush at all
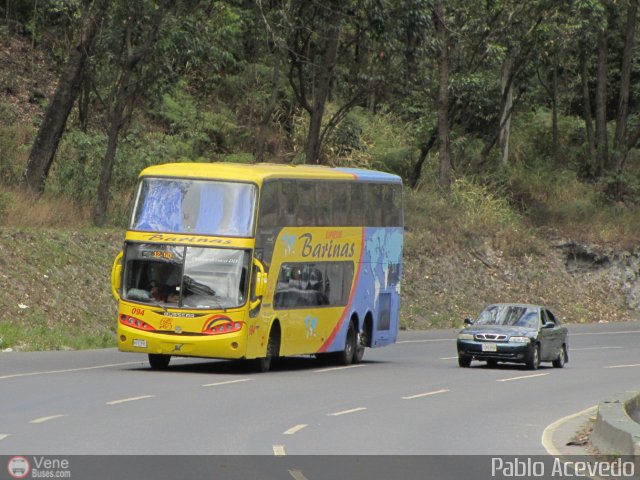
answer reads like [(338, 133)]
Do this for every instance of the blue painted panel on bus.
[(380, 273), (371, 176)]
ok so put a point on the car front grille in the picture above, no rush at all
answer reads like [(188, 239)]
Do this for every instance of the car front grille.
[(493, 337)]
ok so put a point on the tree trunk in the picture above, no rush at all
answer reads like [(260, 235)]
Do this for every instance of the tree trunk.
[(125, 95), (586, 108), (507, 104), (619, 143), (554, 112), (265, 124), (321, 93), (443, 97), (425, 148), (116, 121), (46, 143), (102, 200), (601, 104)]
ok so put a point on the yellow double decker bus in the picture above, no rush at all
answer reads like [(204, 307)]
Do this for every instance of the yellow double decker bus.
[(260, 261)]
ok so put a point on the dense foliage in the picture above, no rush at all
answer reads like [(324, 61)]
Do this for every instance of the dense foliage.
[(535, 93)]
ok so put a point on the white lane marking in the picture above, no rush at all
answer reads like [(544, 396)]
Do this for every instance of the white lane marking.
[(4, 435), (523, 377), (345, 412), (428, 340), (46, 419), (596, 348), (333, 369), (621, 332), (130, 399), (624, 366), (427, 394), (278, 450), (547, 434), (16, 375), (297, 475), (296, 429), (448, 358), (229, 382)]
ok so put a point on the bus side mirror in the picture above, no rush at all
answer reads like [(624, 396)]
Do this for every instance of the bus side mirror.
[(260, 280), (261, 284), (116, 276)]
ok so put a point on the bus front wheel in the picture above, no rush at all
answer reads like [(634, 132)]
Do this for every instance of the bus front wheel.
[(263, 364), (159, 362)]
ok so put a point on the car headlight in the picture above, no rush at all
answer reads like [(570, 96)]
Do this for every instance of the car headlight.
[(519, 340), (465, 336)]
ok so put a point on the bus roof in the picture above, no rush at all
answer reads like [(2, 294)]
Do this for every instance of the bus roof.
[(260, 172)]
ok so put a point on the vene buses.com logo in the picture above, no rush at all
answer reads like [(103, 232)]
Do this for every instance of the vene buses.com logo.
[(18, 467)]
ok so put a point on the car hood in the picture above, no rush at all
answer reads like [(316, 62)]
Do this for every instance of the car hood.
[(501, 330)]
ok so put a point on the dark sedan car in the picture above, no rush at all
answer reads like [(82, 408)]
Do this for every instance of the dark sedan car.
[(515, 333)]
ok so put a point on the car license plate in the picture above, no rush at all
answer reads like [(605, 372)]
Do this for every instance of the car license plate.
[(489, 347), (139, 343)]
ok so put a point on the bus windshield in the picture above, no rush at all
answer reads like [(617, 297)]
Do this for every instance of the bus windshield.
[(200, 207), (189, 277)]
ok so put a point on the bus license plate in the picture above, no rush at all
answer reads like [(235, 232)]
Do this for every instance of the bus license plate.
[(139, 343), (489, 347)]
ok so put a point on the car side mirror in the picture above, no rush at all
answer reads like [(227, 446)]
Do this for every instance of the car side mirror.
[(468, 321), (549, 325)]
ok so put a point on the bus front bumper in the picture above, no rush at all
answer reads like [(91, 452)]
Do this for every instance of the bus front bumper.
[(226, 345)]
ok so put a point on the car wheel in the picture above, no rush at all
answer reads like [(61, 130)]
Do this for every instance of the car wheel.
[(159, 362), (533, 362), (464, 361), (562, 358)]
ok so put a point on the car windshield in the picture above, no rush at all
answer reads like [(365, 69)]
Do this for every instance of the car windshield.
[(510, 315), (187, 277), (201, 207)]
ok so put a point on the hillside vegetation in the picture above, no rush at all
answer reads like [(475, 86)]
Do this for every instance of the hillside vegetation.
[(460, 253), (522, 172)]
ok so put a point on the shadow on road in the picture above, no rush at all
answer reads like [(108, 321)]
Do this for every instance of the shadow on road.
[(244, 367)]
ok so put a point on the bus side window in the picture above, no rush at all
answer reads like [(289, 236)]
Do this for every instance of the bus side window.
[(323, 205), (288, 198), (374, 205), (269, 205), (341, 200), (357, 207), (306, 204), (393, 204)]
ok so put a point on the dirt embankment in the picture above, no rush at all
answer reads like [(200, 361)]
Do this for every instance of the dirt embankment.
[(579, 283)]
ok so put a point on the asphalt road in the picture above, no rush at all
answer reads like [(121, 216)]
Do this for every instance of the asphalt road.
[(409, 398)]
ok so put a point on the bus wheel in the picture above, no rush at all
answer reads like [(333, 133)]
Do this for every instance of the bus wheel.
[(361, 341), (273, 346), (159, 362), (346, 356)]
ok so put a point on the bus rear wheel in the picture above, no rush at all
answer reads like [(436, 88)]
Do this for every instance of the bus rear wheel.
[(361, 342), (346, 356), (158, 361)]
